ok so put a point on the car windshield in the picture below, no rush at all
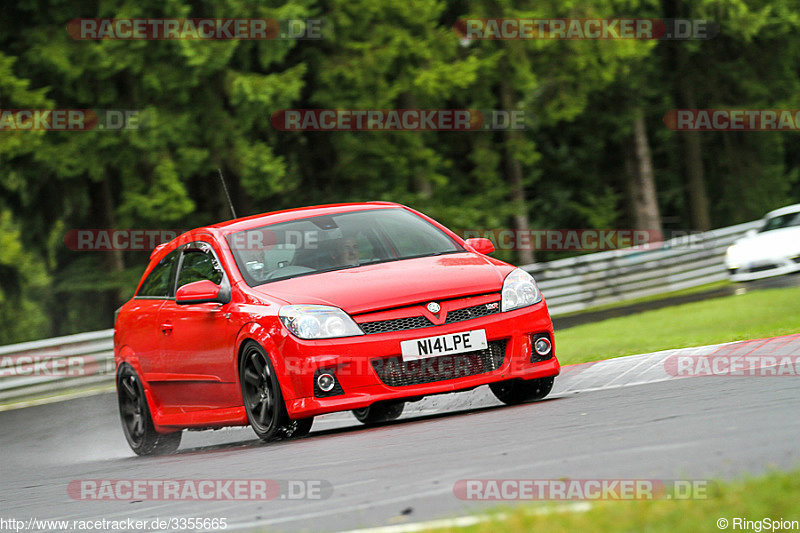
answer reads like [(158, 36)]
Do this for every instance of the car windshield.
[(781, 221), (335, 242)]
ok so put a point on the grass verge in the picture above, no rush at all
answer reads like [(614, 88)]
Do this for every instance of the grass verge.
[(765, 313), (774, 496)]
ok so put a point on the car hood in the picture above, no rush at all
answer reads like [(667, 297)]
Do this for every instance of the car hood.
[(776, 243), (393, 284)]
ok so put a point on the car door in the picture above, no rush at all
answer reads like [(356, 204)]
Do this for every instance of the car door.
[(197, 342), (143, 335)]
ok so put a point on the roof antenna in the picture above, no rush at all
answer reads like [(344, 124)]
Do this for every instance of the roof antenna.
[(225, 187)]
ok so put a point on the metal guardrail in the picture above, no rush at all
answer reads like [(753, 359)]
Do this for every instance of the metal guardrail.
[(57, 365), (591, 280), (50, 366)]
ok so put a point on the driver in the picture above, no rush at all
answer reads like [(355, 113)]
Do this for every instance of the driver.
[(345, 252)]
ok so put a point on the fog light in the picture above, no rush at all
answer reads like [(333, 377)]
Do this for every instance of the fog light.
[(542, 346), (326, 382)]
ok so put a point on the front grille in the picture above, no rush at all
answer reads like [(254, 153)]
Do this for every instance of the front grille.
[(762, 268), (394, 372), (416, 322), (476, 311), (396, 324)]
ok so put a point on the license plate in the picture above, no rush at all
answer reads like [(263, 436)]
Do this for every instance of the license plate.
[(452, 343)]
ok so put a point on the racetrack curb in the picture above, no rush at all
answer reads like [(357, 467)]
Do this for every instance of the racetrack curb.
[(654, 367)]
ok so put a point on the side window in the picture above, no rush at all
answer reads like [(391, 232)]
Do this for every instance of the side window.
[(159, 282), (199, 265)]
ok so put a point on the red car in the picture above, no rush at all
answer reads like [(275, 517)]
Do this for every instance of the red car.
[(273, 319)]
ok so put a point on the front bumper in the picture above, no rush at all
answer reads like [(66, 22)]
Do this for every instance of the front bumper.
[(763, 268), (350, 360)]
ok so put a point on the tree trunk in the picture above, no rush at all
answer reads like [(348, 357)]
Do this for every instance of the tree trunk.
[(683, 92), (641, 181), (102, 211), (514, 172), (421, 182), (695, 175)]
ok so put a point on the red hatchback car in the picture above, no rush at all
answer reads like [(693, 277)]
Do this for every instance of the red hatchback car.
[(273, 319)]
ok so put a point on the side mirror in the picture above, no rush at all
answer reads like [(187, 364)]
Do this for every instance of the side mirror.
[(201, 292), (481, 245)]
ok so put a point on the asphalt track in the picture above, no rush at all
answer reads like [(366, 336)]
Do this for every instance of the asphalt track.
[(617, 420)]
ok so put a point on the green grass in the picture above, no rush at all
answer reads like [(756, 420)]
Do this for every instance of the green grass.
[(753, 315), (775, 496)]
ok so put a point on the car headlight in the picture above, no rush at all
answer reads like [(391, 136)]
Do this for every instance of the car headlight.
[(318, 321), (519, 290), (731, 258)]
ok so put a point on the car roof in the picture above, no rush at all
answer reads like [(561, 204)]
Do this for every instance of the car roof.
[(783, 211)]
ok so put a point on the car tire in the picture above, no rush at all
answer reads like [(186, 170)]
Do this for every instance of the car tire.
[(379, 412), (518, 391), (261, 393), (298, 428), (137, 423)]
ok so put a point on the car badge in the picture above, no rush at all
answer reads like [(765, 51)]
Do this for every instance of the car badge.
[(492, 306), (433, 307)]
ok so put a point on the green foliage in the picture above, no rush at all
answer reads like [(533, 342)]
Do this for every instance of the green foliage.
[(23, 279)]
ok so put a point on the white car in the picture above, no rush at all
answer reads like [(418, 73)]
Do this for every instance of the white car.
[(770, 251)]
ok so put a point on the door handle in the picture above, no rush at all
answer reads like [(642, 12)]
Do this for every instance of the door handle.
[(166, 328)]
